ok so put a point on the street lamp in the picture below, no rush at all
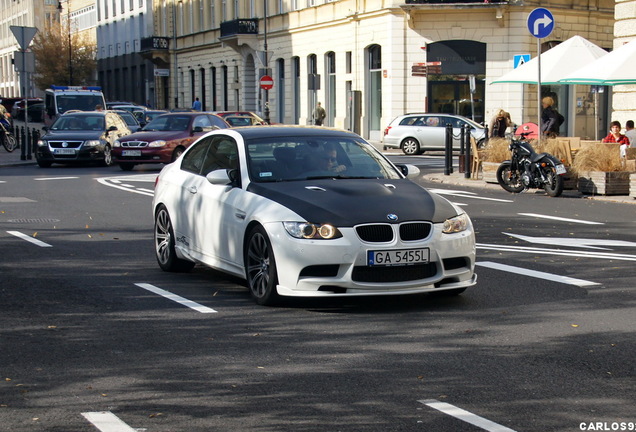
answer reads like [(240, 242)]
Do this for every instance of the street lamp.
[(70, 45), (174, 51), (266, 110)]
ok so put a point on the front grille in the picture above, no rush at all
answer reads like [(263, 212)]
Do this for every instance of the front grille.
[(134, 144), (375, 233), (415, 231), (393, 274), (69, 144)]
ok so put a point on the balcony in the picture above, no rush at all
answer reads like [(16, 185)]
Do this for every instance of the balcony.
[(239, 27)]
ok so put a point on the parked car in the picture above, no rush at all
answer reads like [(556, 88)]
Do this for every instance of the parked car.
[(150, 115), (84, 136), (130, 119), (35, 112), (310, 212), (239, 117), (164, 139), (419, 132), (17, 110)]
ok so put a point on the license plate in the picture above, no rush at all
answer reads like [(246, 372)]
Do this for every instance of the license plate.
[(398, 257), (65, 151), (131, 153), (560, 169)]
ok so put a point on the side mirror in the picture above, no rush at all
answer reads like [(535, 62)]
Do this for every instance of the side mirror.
[(112, 128), (197, 129), (410, 171), (218, 177)]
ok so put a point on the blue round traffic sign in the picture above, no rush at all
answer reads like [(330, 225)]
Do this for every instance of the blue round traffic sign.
[(540, 23)]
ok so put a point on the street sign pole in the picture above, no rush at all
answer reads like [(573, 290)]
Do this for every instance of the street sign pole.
[(540, 24), (24, 36)]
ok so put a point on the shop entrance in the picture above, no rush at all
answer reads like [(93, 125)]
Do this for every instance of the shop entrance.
[(460, 62)]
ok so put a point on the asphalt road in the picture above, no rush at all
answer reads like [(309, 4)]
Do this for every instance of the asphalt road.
[(544, 342)]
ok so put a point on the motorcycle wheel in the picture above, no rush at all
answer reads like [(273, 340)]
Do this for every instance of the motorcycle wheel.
[(554, 187), (508, 179)]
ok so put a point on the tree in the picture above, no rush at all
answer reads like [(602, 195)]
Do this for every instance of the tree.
[(51, 50)]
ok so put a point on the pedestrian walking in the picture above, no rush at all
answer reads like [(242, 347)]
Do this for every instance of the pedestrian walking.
[(319, 115)]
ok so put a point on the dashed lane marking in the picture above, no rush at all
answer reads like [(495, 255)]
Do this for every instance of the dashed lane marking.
[(561, 219), (465, 416), (54, 178), (106, 421), (181, 300), (29, 239)]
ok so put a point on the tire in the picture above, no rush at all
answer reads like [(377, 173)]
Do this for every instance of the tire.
[(509, 180), (177, 152), (126, 166), (108, 156), (9, 142), (260, 268), (164, 244), (555, 187), (410, 147)]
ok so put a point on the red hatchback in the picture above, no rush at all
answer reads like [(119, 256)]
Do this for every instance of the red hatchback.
[(164, 139)]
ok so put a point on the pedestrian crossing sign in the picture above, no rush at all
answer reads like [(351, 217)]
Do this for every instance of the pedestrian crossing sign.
[(520, 59)]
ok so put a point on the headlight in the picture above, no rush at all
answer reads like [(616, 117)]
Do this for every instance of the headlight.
[(308, 230), (116, 143), (42, 143), (456, 224), (92, 143), (158, 143)]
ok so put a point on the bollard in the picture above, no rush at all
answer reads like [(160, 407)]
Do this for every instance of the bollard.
[(20, 136), (448, 150), (467, 159), (462, 147)]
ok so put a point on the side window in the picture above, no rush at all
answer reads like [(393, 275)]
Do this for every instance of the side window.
[(223, 154), (193, 160), (408, 121), (203, 121), (218, 122), (432, 121)]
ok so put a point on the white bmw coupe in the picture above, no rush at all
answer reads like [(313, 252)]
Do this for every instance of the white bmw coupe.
[(308, 211)]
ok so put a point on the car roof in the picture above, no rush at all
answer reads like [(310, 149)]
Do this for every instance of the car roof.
[(250, 132)]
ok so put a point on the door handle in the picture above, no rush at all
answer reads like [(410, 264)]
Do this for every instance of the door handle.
[(192, 189)]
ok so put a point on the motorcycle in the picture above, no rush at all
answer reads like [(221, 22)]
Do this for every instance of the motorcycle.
[(6, 136), (528, 169)]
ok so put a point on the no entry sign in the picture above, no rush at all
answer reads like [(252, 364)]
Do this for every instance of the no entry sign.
[(266, 82)]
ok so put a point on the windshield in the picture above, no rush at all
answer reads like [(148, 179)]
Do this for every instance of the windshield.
[(300, 158), (83, 102), (72, 122), (168, 123)]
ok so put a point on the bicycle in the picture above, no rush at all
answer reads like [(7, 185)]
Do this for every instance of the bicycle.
[(9, 141)]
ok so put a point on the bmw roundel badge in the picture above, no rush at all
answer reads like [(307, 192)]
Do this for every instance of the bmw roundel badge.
[(392, 217)]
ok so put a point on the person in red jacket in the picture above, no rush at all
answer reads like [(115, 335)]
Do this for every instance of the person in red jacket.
[(615, 136)]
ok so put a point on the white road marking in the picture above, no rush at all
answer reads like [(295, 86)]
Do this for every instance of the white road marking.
[(574, 242), (536, 274), (29, 239), (466, 194), (106, 421), (561, 219), (465, 416), (15, 200), (117, 182), (54, 178), (560, 252), (181, 300)]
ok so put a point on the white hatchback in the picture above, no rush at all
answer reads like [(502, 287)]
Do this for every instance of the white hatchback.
[(419, 132)]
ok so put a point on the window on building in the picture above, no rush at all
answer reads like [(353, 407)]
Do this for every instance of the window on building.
[(348, 62)]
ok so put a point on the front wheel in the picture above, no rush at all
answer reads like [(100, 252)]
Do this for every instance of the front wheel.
[(260, 267), (554, 186), (509, 179), (108, 156), (164, 244), (410, 146), (9, 142)]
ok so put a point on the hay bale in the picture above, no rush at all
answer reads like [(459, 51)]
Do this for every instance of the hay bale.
[(597, 158)]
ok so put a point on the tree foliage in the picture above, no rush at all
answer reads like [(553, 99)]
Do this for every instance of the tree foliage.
[(51, 50)]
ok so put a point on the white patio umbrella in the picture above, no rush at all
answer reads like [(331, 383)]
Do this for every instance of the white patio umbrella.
[(556, 63), (617, 67)]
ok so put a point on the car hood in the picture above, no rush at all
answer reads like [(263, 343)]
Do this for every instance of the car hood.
[(149, 136), (73, 135), (349, 202)]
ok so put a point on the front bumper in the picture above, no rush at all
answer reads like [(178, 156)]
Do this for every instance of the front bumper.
[(143, 155), (336, 268), (81, 154)]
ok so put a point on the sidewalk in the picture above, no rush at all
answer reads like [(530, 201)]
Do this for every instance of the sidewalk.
[(15, 158)]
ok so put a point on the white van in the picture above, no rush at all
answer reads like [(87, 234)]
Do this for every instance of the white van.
[(59, 99)]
